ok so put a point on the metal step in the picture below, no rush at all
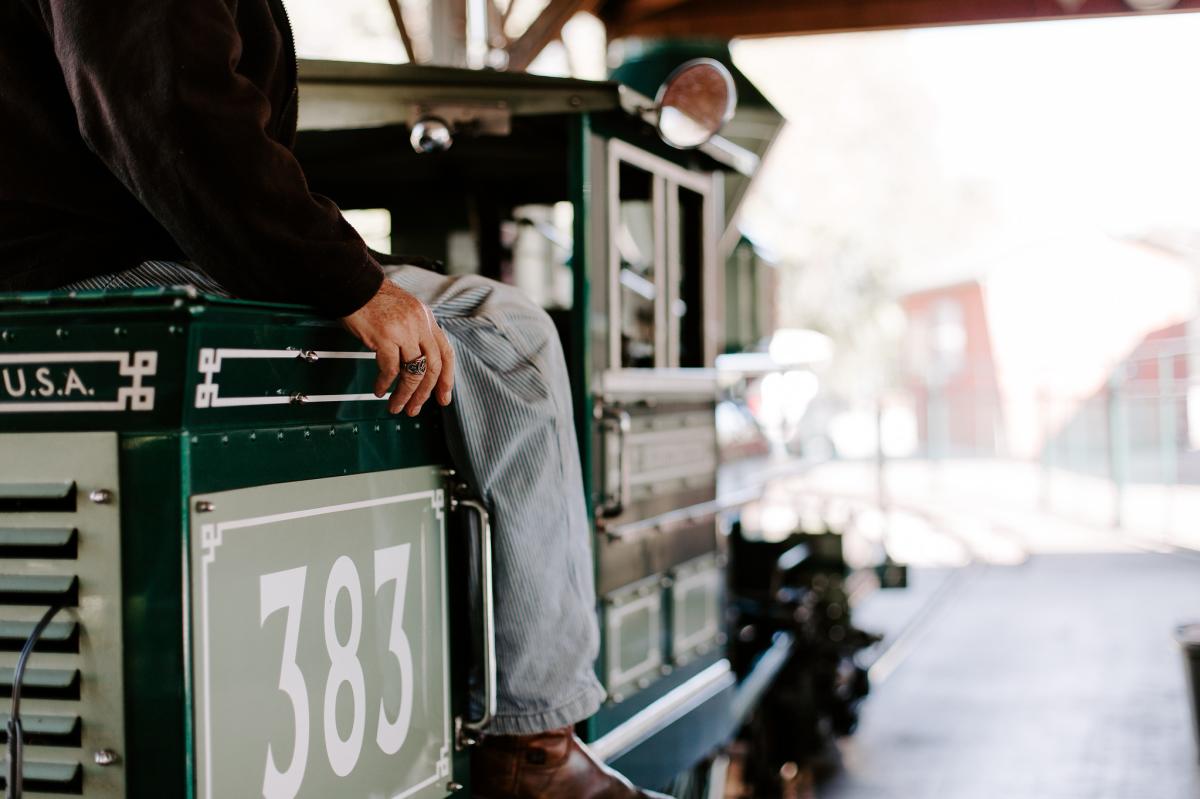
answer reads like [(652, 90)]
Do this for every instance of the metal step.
[(45, 730), (39, 589), (61, 778), (53, 543), (43, 683), (59, 636), (32, 497)]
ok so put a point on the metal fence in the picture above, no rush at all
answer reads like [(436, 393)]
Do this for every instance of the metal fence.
[(1127, 453)]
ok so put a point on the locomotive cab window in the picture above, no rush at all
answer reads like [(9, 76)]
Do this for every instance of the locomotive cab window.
[(659, 257), (636, 242), (493, 204)]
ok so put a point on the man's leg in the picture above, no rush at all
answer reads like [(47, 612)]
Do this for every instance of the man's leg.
[(511, 432), (149, 274)]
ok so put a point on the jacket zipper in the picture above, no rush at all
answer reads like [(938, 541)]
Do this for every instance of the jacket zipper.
[(279, 11)]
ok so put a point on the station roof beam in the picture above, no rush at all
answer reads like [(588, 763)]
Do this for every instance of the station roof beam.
[(721, 18)]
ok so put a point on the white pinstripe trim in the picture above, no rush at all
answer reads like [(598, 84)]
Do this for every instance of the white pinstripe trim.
[(134, 365), (211, 360)]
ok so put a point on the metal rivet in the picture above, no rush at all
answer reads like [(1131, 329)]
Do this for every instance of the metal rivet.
[(62, 332), (644, 682), (204, 506), (101, 496), (105, 757), (453, 786)]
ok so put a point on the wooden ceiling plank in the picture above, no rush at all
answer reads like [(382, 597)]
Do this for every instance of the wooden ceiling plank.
[(496, 34), (398, 15), (774, 18), (634, 10), (545, 29)]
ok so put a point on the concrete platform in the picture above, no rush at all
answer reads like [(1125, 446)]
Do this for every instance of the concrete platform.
[(1057, 678)]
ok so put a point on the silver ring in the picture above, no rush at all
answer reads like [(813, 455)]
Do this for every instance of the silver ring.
[(416, 367)]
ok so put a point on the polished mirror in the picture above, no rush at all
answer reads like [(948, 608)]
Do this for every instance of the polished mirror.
[(695, 102)]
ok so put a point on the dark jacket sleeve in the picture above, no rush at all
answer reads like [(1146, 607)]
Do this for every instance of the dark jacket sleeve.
[(159, 99)]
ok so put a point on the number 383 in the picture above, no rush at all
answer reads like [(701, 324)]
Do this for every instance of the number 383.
[(284, 591)]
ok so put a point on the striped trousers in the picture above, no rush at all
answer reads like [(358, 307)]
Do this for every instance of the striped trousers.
[(510, 430)]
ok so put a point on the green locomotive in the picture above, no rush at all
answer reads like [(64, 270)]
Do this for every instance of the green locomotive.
[(263, 576)]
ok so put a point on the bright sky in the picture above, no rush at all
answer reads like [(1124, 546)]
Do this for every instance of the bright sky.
[(1098, 117), (922, 157)]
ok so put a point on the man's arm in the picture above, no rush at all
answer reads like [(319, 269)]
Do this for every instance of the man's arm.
[(158, 99)]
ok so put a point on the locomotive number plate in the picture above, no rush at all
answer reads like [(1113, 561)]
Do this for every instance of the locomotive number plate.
[(319, 639)]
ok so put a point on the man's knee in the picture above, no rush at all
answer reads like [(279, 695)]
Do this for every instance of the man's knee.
[(510, 307)]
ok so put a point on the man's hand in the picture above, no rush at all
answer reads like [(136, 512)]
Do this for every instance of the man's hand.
[(399, 328)]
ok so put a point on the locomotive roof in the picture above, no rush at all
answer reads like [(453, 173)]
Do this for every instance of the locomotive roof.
[(123, 300), (345, 95), (520, 92)]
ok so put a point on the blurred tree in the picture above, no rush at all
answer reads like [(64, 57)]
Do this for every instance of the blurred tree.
[(853, 195)]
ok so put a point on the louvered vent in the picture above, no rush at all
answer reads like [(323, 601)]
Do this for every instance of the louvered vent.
[(59, 545)]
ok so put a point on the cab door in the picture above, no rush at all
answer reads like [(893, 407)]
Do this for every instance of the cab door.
[(654, 402)]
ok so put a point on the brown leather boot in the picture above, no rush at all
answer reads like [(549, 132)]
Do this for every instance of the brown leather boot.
[(549, 765)]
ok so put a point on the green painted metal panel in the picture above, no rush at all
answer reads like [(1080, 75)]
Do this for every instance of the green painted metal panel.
[(152, 602), (81, 366), (136, 363), (582, 259), (240, 457), (137, 355), (320, 607)]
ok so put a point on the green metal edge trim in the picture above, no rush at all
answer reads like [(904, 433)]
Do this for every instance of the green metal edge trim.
[(155, 673), (581, 197), (185, 551)]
